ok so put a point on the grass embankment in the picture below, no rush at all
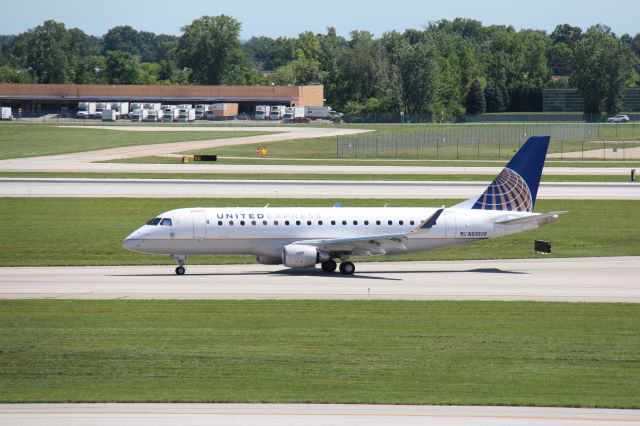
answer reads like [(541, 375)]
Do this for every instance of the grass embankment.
[(76, 231), (28, 140), (397, 352)]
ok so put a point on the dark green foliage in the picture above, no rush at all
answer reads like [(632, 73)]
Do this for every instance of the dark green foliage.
[(603, 64), (475, 99), (210, 47), (122, 68)]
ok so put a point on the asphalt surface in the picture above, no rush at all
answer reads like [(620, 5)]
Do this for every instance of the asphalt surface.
[(542, 279), (304, 414), (189, 188)]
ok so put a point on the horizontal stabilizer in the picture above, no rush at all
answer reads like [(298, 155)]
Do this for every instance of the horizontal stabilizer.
[(540, 219)]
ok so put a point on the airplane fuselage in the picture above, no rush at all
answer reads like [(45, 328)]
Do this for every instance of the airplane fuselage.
[(265, 231)]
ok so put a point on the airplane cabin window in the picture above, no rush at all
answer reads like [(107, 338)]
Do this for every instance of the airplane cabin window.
[(286, 222), (390, 222), (366, 222), (242, 222), (166, 222), (355, 222), (401, 222), (320, 222), (275, 222), (308, 222), (412, 222), (377, 222), (154, 222), (219, 223), (344, 222), (264, 222), (333, 222), (231, 222), (298, 222), (253, 222)]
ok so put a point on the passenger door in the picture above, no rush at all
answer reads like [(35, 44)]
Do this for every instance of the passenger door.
[(450, 224), (199, 225)]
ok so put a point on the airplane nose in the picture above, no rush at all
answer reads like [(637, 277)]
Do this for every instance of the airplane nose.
[(132, 242)]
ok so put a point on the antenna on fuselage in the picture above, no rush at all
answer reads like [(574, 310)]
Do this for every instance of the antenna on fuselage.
[(338, 204)]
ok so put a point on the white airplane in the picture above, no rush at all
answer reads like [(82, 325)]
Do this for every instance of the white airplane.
[(303, 237)]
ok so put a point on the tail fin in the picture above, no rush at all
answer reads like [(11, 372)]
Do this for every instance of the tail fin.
[(516, 187)]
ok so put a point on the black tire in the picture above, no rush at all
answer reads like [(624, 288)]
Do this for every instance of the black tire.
[(329, 266), (180, 270), (347, 268)]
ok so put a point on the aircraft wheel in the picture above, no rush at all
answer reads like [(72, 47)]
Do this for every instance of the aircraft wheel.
[(347, 268), (329, 266), (180, 270)]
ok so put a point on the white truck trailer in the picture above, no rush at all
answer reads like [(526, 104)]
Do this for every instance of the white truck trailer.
[(152, 106), (5, 113), (138, 114), (135, 105), (187, 115), (100, 107), (170, 113), (121, 108), (201, 111), (86, 109), (317, 112), (277, 112), (263, 112), (292, 112), (154, 115)]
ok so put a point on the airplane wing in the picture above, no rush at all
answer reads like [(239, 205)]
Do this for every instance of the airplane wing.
[(540, 219), (370, 245)]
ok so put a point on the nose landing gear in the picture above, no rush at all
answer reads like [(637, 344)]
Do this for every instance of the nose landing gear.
[(180, 270)]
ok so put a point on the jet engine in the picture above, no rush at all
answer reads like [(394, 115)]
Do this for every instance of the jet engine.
[(263, 260), (301, 256)]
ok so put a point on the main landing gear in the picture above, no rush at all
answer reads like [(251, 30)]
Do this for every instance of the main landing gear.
[(346, 268), (180, 270)]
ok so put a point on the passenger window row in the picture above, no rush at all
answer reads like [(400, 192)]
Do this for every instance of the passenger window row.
[(320, 222)]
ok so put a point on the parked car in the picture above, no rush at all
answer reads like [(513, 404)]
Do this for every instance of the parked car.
[(300, 120), (620, 118)]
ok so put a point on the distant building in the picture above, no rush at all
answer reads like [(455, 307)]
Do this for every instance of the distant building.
[(570, 100), (62, 97)]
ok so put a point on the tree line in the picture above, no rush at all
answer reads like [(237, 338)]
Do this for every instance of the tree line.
[(448, 68)]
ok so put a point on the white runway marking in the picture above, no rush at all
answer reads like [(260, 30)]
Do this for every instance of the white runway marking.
[(571, 280)]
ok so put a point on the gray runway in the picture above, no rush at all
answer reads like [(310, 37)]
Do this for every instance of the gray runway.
[(572, 280), (305, 414), (187, 188)]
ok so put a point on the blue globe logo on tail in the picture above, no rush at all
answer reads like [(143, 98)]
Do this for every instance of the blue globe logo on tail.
[(508, 191), (516, 187)]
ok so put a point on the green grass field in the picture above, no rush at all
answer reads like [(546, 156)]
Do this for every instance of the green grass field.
[(395, 352), (19, 140), (77, 231)]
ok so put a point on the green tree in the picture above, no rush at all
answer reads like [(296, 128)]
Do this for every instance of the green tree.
[(418, 71), (476, 103), (210, 46), (13, 75), (92, 70), (122, 38), (603, 64), (47, 51), (122, 68), (566, 34)]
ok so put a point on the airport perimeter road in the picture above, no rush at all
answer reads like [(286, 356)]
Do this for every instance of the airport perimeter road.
[(305, 414), (572, 280), (168, 188)]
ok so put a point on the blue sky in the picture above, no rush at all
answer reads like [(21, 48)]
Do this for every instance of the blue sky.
[(290, 17)]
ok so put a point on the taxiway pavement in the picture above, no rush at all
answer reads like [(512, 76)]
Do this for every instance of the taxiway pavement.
[(305, 414), (542, 279), (190, 188)]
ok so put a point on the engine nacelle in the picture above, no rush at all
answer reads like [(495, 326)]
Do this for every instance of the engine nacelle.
[(301, 256), (263, 260)]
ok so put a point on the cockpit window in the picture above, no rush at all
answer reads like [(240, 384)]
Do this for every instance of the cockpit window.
[(154, 221), (166, 222)]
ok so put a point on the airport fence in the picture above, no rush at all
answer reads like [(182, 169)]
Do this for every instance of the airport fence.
[(582, 141)]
